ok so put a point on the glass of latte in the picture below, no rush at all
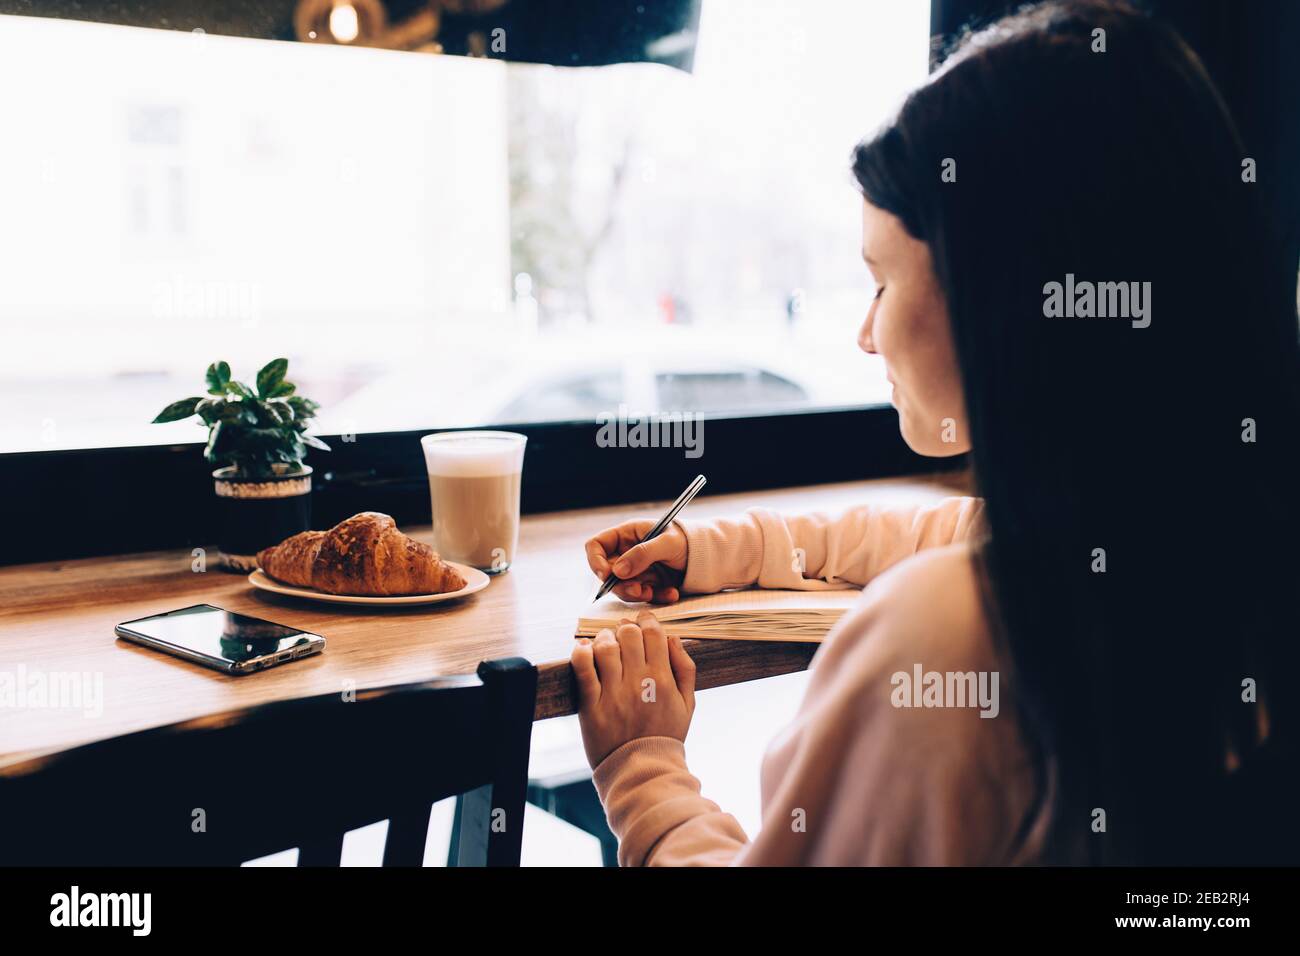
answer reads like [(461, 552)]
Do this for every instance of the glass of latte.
[(474, 491)]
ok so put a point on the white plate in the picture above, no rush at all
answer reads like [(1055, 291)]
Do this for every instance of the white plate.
[(475, 580)]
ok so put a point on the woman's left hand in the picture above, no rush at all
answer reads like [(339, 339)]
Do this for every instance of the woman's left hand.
[(633, 682)]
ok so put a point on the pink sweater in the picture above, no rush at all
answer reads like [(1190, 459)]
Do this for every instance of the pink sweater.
[(855, 779)]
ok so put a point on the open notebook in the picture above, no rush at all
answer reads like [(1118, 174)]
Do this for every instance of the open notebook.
[(750, 615)]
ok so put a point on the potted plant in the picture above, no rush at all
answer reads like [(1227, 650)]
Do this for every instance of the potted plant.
[(257, 438)]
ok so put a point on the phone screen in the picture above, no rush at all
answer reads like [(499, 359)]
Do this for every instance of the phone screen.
[(221, 638)]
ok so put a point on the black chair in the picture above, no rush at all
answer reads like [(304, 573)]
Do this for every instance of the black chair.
[(566, 793), (226, 789)]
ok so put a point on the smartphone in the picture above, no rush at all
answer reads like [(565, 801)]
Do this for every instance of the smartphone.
[(221, 639)]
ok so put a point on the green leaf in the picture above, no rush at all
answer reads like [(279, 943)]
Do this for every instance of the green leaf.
[(271, 375), (303, 407), (240, 389), (283, 390), (210, 409), (178, 410), (212, 451), (257, 414), (217, 376), (314, 442)]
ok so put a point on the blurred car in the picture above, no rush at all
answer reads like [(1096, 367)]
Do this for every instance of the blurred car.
[(572, 378)]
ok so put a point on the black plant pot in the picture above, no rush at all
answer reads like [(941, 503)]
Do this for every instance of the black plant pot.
[(256, 513)]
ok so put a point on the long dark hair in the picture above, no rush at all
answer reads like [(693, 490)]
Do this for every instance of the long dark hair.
[(1158, 453)]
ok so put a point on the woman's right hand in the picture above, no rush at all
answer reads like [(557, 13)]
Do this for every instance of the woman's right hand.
[(652, 571)]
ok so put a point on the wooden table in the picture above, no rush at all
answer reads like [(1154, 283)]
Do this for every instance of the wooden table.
[(58, 618)]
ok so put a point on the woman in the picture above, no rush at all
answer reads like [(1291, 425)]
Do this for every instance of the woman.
[(1074, 286)]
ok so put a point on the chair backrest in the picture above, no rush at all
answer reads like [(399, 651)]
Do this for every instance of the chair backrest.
[(226, 789)]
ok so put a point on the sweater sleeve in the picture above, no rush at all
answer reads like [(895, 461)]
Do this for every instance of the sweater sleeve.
[(818, 551), (856, 779), (654, 807)]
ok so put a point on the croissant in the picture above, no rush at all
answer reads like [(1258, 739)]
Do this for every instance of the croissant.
[(291, 561), (364, 555)]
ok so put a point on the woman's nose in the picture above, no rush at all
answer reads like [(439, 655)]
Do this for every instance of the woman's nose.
[(864, 334)]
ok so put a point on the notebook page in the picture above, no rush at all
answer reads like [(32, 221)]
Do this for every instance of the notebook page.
[(750, 600)]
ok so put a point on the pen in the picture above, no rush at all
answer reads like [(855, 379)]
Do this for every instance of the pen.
[(682, 501)]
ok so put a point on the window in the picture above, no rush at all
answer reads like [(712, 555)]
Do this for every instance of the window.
[(437, 241)]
